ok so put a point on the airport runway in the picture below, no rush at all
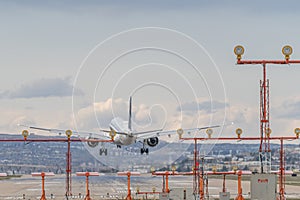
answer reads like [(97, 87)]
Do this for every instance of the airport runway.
[(112, 186)]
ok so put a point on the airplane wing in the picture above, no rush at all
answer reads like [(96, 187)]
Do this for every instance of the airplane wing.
[(191, 129), (148, 132), (160, 132), (80, 134), (59, 131)]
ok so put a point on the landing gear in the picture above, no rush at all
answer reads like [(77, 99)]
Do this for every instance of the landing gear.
[(103, 151), (144, 150)]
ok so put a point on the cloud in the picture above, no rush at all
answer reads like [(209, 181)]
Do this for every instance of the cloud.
[(11, 119), (156, 4), (147, 117), (100, 114), (45, 87), (203, 105), (289, 109)]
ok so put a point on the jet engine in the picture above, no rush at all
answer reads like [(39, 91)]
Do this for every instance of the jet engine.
[(91, 143), (152, 142)]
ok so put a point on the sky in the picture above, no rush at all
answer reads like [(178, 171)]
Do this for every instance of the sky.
[(74, 64)]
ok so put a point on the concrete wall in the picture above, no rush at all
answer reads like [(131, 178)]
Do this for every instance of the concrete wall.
[(263, 186), (178, 193)]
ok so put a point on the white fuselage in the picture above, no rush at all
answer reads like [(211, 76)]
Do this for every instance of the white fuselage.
[(121, 126)]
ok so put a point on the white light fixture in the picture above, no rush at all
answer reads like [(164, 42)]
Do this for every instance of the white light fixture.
[(287, 51), (239, 51)]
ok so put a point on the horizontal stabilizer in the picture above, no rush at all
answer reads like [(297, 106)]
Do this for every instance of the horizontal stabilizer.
[(117, 132), (146, 132)]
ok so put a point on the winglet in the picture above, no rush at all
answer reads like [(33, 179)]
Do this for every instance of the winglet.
[(130, 107)]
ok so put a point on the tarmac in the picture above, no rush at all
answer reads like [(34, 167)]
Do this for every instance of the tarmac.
[(111, 186)]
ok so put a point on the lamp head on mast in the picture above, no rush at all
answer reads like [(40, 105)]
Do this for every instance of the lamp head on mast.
[(287, 51), (239, 51)]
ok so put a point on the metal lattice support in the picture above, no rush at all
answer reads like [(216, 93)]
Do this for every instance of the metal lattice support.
[(196, 183), (198, 174), (68, 171), (265, 131), (281, 173)]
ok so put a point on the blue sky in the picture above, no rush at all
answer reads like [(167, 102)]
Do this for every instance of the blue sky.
[(44, 46)]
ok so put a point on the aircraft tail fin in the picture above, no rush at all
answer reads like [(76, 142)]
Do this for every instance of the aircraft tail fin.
[(130, 113)]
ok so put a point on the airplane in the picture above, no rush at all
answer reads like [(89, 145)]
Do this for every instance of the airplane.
[(124, 135)]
